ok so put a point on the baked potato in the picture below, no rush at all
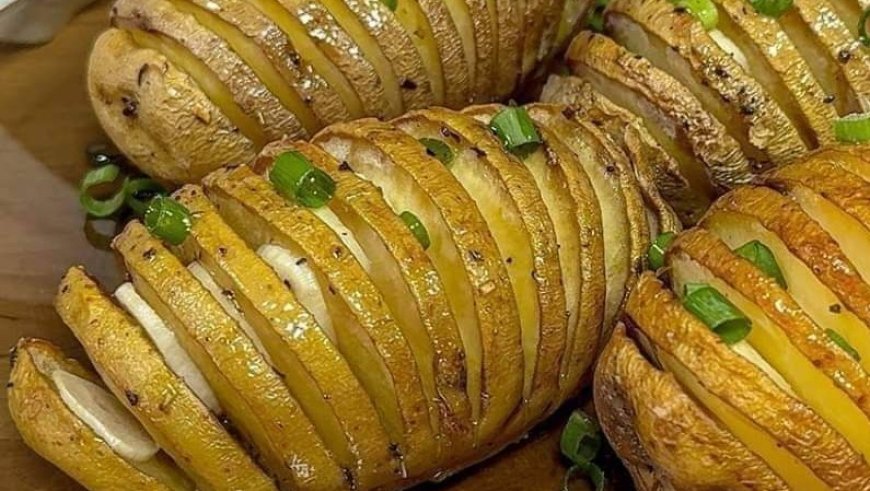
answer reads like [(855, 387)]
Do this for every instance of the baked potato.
[(728, 93), (185, 86), (450, 292), (773, 393)]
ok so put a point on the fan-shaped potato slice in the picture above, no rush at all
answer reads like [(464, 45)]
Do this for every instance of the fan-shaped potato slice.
[(838, 61), (667, 108), (137, 374), (668, 431), (57, 433), (150, 106), (367, 333), (535, 15), (444, 56), (479, 291), (509, 47), (853, 158), (832, 285), (478, 31), (316, 373), (389, 49), (163, 19), (659, 166), (820, 373), (506, 195), (570, 22), (789, 436), (253, 394), (675, 41), (772, 58)]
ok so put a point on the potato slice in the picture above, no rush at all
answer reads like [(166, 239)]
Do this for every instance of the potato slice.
[(509, 46), (253, 394), (409, 282), (853, 158), (53, 430), (820, 373), (151, 107), (316, 373), (479, 33), (838, 61), (833, 286), (535, 15), (479, 292), (570, 22), (639, 407), (675, 41), (777, 427), (667, 108), (137, 374), (162, 18), (775, 62), (445, 59), (505, 192), (661, 175), (367, 333)]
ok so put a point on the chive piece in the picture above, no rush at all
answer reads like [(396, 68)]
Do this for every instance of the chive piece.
[(843, 344), (417, 228), (591, 470), (516, 130), (862, 27), (854, 128), (95, 177), (580, 442), (595, 17), (763, 258), (168, 219), (139, 193), (438, 149), (704, 10), (656, 253), (717, 312), (771, 8), (391, 4), (295, 178)]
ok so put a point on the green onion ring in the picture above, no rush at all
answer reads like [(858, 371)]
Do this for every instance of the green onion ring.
[(843, 344), (657, 249), (772, 8), (391, 4), (590, 470), (581, 438), (438, 149), (168, 219), (296, 178), (862, 28), (764, 259), (516, 130), (595, 16), (854, 128), (704, 10), (95, 177), (143, 185), (417, 228), (717, 312)]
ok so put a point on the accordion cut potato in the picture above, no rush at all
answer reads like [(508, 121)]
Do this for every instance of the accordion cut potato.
[(784, 406), (326, 348), (228, 76)]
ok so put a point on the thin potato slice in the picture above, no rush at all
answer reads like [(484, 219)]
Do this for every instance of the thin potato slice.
[(535, 15), (408, 281), (138, 376), (509, 27), (510, 202), (639, 407), (479, 292), (150, 105), (316, 373), (479, 41), (820, 373), (56, 433), (448, 67), (751, 404), (253, 394), (163, 18), (368, 335), (774, 60), (676, 42), (667, 108)]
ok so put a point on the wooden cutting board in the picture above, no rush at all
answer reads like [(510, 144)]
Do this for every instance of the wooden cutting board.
[(45, 126)]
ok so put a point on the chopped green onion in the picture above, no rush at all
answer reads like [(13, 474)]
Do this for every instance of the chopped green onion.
[(591, 470), (762, 257), (95, 177), (516, 130), (417, 228), (717, 312), (771, 8), (595, 17), (168, 219), (580, 442), (438, 149), (862, 28), (296, 179), (854, 128), (656, 253), (842, 343), (139, 193), (704, 10), (391, 4)]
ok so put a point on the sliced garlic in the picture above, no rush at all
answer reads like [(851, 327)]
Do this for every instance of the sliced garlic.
[(102, 412), (168, 345)]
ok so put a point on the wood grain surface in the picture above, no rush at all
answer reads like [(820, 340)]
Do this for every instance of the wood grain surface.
[(45, 126)]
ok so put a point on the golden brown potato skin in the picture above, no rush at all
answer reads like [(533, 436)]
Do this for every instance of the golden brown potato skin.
[(176, 130)]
